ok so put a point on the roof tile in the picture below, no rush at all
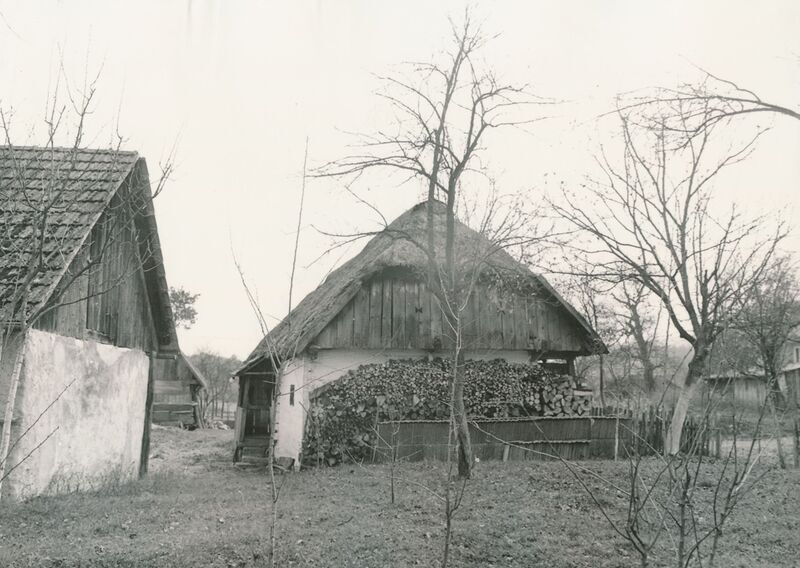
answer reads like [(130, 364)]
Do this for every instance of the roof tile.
[(72, 186)]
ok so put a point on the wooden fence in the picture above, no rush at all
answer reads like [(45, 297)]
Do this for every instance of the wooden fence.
[(609, 434), (644, 431), (510, 439)]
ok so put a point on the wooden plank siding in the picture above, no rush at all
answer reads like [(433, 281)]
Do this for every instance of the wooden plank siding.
[(390, 311), (386, 313), (107, 302)]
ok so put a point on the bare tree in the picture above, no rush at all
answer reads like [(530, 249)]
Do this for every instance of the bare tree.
[(219, 393), (766, 318), (640, 328), (280, 363), (707, 103), (591, 296), (445, 113), (676, 507), (650, 219)]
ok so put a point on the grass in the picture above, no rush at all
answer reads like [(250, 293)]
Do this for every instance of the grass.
[(196, 510)]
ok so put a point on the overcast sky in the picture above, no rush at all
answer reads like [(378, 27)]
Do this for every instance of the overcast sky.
[(237, 87)]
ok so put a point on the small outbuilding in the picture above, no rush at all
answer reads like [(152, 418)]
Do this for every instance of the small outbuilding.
[(177, 395), (376, 307), (750, 386)]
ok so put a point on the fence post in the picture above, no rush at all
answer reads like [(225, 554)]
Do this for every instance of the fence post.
[(616, 437), (796, 444)]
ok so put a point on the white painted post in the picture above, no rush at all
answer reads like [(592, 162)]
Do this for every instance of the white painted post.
[(8, 415)]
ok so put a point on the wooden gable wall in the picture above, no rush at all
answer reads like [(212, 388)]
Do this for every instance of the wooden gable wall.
[(392, 311), (107, 302)]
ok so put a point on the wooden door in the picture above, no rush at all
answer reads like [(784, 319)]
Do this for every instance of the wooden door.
[(256, 405)]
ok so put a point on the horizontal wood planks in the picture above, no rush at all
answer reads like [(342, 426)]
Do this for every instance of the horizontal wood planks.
[(402, 313)]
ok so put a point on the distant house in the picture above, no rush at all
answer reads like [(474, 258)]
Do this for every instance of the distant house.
[(90, 362), (790, 375), (376, 307), (750, 386)]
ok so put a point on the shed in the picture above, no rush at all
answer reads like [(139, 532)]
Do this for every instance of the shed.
[(177, 399), (746, 388), (376, 307)]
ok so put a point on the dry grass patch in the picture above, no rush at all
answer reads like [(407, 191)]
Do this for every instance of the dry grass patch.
[(196, 510)]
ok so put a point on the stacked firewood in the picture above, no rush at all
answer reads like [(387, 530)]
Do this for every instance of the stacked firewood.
[(559, 398)]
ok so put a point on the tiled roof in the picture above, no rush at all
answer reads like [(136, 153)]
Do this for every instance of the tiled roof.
[(63, 189)]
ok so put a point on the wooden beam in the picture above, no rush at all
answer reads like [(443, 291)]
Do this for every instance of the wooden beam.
[(144, 458)]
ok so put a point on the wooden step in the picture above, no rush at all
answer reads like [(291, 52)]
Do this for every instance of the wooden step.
[(252, 461)]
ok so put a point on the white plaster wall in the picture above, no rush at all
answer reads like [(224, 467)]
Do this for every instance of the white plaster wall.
[(307, 374), (290, 418), (95, 427)]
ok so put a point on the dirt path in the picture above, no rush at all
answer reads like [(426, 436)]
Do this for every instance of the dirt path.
[(765, 449), (189, 452)]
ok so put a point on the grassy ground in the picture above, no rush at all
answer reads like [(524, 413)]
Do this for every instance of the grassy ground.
[(196, 510)]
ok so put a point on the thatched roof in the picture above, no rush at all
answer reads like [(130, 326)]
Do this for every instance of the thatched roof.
[(398, 246)]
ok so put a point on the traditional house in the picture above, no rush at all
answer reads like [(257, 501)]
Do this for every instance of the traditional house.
[(86, 317), (376, 307)]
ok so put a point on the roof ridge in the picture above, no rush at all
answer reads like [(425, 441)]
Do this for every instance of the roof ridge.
[(69, 149)]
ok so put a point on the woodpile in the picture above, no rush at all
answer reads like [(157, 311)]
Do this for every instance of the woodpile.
[(562, 399)]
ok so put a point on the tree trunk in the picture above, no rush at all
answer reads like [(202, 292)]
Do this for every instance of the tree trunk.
[(775, 393), (144, 458), (602, 382), (648, 374), (11, 400), (672, 439), (463, 441)]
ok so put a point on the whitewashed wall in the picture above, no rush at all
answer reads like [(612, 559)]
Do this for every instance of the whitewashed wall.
[(95, 428)]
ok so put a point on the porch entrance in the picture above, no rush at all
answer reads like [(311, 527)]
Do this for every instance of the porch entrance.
[(254, 415)]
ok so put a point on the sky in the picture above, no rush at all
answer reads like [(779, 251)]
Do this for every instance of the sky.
[(235, 90)]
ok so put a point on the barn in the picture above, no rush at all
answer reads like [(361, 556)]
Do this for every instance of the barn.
[(376, 308), (86, 318)]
